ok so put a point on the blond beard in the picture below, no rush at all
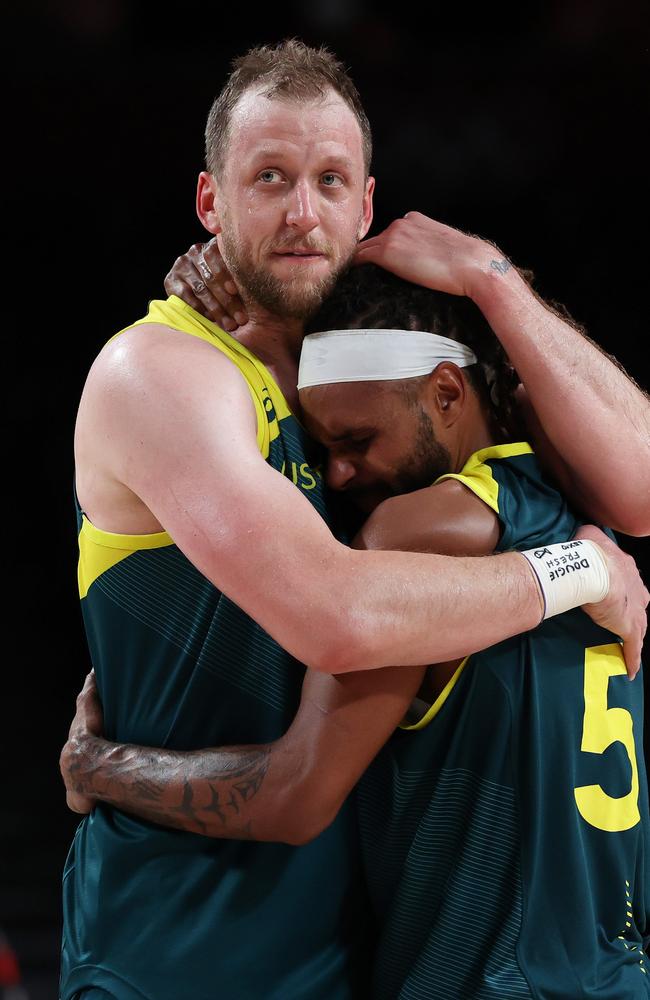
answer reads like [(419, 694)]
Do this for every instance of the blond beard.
[(290, 298)]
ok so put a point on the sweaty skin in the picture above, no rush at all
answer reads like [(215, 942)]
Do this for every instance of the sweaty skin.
[(578, 401), (368, 609), (294, 179), (291, 789)]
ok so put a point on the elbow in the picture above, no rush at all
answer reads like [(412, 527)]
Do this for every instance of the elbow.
[(343, 648), (638, 525), (309, 821), (630, 519)]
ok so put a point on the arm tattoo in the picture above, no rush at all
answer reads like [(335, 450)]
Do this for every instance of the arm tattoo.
[(501, 266), (211, 792)]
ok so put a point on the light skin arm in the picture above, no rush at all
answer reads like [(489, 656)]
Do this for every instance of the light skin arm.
[(188, 453), (217, 497), (585, 402), (291, 789)]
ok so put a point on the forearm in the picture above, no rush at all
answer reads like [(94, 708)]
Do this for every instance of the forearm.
[(406, 608), (239, 792), (585, 402)]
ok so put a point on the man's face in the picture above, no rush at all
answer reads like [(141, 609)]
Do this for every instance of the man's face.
[(380, 439), (293, 200)]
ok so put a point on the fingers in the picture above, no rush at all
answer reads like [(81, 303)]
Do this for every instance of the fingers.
[(78, 803), (632, 655), (369, 252), (201, 279), (89, 688), (219, 282), (633, 646), (213, 303)]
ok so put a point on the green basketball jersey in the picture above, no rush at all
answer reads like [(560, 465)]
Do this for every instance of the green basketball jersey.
[(506, 834), (164, 915)]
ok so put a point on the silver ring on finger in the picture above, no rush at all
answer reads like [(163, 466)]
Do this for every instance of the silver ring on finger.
[(198, 287), (204, 268)]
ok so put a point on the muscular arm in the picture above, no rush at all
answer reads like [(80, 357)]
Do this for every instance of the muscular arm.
[(187, 448), (585, 403), (291, 789)]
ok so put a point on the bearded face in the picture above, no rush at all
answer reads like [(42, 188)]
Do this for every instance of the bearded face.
[(293, 199), (291, 277)]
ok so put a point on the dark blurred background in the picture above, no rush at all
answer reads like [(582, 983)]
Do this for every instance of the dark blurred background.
[(523, 124)]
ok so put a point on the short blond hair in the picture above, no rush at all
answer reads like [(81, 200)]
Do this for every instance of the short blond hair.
[(290, 70)]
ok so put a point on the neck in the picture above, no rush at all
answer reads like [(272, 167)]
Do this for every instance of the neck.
[(475, 434), (276, 341)]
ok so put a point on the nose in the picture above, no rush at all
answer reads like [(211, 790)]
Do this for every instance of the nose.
[(301, 210), (340, 473)]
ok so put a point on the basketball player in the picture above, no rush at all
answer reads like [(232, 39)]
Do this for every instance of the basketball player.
[(208, 574), (505, 827)]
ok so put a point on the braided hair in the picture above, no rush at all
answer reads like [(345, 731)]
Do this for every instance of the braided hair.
[(368, 297)]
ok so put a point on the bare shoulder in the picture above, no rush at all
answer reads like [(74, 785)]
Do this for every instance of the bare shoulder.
[(157, 405), (446, 518), (152, 370), (153, 350)]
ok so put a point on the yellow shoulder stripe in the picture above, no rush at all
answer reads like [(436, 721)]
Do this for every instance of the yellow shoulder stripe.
[(477, 476), (100, 550)]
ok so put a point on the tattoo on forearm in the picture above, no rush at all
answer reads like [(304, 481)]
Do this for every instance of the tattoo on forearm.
[(208, 791), (502, 266)]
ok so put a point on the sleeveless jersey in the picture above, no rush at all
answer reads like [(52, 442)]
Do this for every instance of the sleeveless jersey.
[(161, 914), (506, 833)]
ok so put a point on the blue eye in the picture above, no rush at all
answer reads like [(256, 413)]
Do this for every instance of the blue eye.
[(268, 175), (331, 180)]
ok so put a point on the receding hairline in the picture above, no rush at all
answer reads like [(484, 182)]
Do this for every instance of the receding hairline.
[(288, 71), (329, 96)]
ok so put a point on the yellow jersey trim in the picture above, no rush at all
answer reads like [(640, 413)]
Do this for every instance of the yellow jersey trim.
[(175, 313), (431, 713), (100, 550), (477, 476)]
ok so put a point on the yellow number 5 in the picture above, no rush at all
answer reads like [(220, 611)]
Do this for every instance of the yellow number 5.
[(602, 727)]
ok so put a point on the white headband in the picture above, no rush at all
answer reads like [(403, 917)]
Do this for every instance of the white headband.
[(375, 355)]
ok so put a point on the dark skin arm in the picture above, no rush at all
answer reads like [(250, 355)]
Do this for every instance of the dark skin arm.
[(291, 789)]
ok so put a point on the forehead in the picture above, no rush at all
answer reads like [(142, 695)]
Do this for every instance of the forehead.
[(323, 126), (339, 409)]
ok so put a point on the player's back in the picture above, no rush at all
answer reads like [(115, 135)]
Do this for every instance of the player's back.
[(160, 914), (506, 839)]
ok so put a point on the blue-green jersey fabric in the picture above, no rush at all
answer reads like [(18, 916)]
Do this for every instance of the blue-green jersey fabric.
[(487, 881), (158, 914)]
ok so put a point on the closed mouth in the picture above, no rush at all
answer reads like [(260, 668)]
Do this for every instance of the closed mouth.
[(298, 253)]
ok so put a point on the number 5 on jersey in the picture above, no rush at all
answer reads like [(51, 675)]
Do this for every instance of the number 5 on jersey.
[(603, 726)]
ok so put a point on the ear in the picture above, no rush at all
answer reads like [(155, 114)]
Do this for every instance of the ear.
[(367, 214), (447, 393), (207, 202)]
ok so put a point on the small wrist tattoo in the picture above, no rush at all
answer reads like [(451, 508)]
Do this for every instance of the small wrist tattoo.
[(502, 266)]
